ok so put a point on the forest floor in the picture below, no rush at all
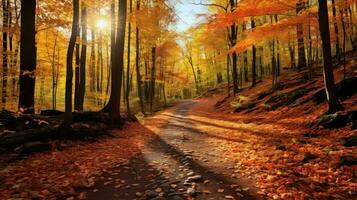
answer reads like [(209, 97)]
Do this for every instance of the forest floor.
[(207, 148), (218, 154)]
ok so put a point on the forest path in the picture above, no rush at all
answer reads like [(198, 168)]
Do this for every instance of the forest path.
[(179, 157)]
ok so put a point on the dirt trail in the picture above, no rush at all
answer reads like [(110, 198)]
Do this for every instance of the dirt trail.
[(178, 158)]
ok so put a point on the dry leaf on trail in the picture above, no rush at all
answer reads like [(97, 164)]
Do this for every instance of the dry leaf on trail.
[(220, 190)]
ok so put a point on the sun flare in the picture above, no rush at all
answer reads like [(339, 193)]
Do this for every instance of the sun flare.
[(101, 24)]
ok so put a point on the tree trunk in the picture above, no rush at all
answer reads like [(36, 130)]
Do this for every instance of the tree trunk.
[(292, 54), (92, 63), (77, 73), (137, 65), (128, 63), (228, 77), (100, 68), (5, 18), (113, 106), (234, 55), (54, 73), (331, 93), (27, 56), (190, 60), (338, 53), (69, 70), (300, 6), (153, 78), (82, 86), (344, 41), (278, 67), (254, 55)]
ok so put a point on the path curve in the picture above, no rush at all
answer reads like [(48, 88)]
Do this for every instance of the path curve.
[(180, 159)]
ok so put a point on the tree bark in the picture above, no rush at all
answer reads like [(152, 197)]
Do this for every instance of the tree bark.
[(338, 53), (5, 18), (300, 6), (254, 55), (113, 106), (77, 73), (128, 63), (331, 93), (82, 86), (153, 78), (137, 64), (54, 73), (344, 41), (27, 56), (69, 73), (234, 55), (92, 63), (228, 77)]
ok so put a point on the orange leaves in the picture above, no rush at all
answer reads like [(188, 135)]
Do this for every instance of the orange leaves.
[(268, 31), (280, 174), (57, 174), (253, 8)]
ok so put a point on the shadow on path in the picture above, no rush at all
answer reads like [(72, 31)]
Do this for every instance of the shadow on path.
[(163, 166)]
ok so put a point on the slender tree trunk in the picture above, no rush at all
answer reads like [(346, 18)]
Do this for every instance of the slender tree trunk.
[(331, 93), (351, 26), (190, 60), (54, 72), (11, 43), (301, 5), (16, 53), (101, 66), (98, 71), (137, 65), (69, 72), (310, 54), (228, 76), (338, 54), (344, 41), (153, 78), (5, 18), (164, 85), (254, 55), (82, 86), (77, 73), (56, 78), (292, 55), (112, 51), (261, 66), (146, 84), (128, 63), (27, 56), (234, 55), (93, 63), (278, 67)]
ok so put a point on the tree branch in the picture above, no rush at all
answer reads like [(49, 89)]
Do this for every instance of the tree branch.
[(211, 5)]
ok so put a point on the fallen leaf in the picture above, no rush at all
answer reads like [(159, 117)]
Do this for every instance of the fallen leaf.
[(220, 190)]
